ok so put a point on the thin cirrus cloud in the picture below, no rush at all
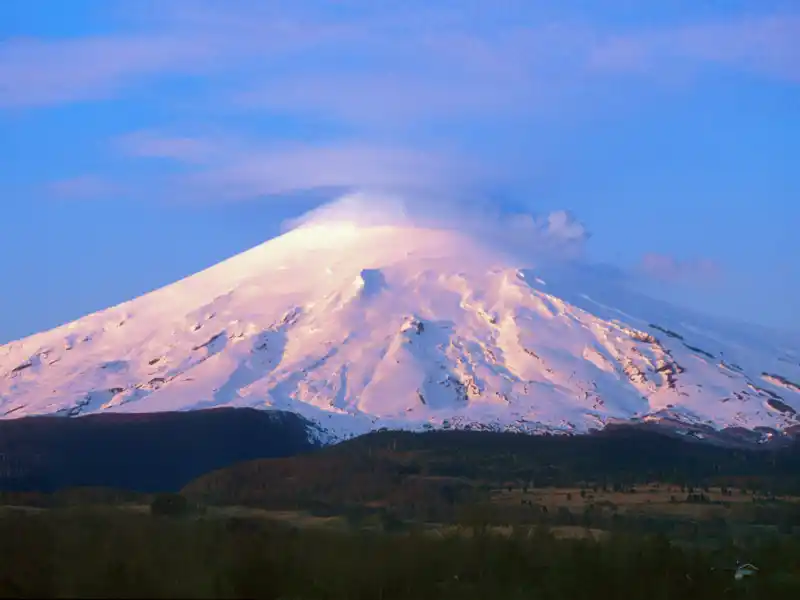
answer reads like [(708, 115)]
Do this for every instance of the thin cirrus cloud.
[(395, 183), (151, 144), (441, 62), (522, 69), (291, 167), (392, 180), (764, 45), (380, 72), (39, 72), (374, 66), (390, 97), (35, 73), (228, 169)]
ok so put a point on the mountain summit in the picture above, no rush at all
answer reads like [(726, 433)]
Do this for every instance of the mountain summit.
[(359, 326)]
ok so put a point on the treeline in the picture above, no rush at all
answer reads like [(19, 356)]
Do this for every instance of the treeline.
[(403, 469), (77, 496), (619, 455), (751, 522), (151, 452), (116, 554), (166, 451)]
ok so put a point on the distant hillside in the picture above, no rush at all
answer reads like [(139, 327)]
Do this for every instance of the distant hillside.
[(141, 452), (403, 468)]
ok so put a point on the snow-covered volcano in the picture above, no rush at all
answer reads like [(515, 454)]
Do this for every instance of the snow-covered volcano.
[(359, 327)]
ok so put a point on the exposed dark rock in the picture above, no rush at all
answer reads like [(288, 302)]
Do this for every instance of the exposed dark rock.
[(641, 336), (415, 325), (22, 367), (80, 405), (114, 365), (781, 406), (634, 373), (700, 351), (210, 341), (670, 333), (670, 369), (764, 391), (781, 380)]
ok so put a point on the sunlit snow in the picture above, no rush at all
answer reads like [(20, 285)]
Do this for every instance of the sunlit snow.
[(360, 326)]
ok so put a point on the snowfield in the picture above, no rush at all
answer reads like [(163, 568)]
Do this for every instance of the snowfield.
[(363, 327)]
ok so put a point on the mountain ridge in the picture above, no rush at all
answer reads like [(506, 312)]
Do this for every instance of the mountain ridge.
[(359, 327)]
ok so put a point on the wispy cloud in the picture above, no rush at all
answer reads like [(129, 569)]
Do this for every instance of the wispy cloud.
[(390, 97), (304, 56), (35, 72), (766, 45), (669, 269), (223, 169), (151, 144), (377, 71), (39, 72), (298, 166)]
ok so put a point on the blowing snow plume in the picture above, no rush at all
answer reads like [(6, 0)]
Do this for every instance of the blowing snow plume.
[(555, 236)]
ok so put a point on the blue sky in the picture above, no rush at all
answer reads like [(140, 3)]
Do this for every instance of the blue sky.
[(143, 141)]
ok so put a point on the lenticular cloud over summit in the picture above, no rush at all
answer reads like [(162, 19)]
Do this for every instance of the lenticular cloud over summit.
[(385, 311), (359, 209), (556, 235)]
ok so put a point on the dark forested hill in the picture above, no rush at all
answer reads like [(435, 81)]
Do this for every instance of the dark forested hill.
[(401, 467), (141, 452)]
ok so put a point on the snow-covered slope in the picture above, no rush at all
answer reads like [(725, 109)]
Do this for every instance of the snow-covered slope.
[(361, 327)]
